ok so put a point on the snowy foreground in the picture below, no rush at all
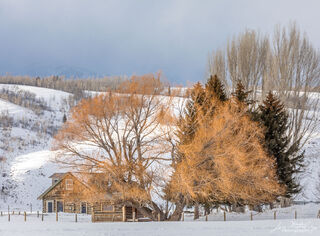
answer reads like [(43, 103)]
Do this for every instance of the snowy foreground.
[(34, 226), (236, 224)]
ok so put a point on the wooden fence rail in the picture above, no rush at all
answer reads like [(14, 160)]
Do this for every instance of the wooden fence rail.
[(118, 216)]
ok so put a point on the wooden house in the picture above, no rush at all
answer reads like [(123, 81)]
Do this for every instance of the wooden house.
[(72, 193)]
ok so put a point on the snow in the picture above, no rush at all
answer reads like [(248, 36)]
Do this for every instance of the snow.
[(29, 159), (30, 162), (11, 108), (52, 97), (67, 226)]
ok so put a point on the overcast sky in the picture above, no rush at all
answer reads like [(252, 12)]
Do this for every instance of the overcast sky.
[(136, 36)]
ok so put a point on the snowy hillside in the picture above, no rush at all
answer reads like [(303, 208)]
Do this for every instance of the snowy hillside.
[(26, 146), (24, 142)]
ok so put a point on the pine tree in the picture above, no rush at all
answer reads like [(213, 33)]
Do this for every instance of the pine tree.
[(64, 118), (188, 123), (187, 126), (273, 116), (215, 88), (215, 93), (241, 94)]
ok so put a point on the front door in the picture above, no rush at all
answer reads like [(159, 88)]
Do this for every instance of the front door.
[(50, 207), (59, 206), (83, 207)]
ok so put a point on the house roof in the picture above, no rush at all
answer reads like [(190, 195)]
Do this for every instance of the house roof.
[(84, 179), (49, 189), (57, 175)]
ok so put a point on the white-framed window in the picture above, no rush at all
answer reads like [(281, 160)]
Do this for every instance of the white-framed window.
[(69, 184)]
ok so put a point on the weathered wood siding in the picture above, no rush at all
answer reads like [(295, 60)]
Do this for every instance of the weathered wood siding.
[(71, 199), (80, 194)]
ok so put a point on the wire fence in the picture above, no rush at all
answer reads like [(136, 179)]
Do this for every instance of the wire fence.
[(307, 211)]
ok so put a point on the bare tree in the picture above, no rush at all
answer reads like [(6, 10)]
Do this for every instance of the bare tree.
[(295, 72), (288, 65), (247, 55), (121, 135), (217, 66)]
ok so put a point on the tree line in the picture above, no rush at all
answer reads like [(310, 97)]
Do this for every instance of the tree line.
[(285, 62), (219, 150), (76, 86), (25, 99)]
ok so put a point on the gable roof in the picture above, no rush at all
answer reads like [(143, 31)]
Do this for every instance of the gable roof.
[(84, 179), (57, 175), (61, 177)]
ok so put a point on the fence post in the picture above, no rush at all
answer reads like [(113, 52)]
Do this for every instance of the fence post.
[(134, 215), (76, 218), (1, 213), (19, 213), (12, 212), (251, 216), (31, 208), (38, 214), (56, 215), (9, 217), (92, 216), (206, 217), (159, 217), (295, 214), (42, 217), (274, 215), (25, 216), (124, 214), (224, 216), (182, 216)]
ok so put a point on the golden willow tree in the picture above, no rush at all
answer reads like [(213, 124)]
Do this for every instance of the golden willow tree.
[(225, 162), (128, 140), (120, 135)]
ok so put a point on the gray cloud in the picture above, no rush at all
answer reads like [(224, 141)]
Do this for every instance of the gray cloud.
[(126, 37)]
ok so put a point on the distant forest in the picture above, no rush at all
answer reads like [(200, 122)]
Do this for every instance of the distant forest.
[(72, 85)]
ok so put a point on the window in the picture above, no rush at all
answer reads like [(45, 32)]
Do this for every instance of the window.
[(107, 207), (55, 180), (69, 184)]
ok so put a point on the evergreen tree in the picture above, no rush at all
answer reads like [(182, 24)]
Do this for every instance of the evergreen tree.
[(201, 106), (188, 123), (273, 116), (64, 118), (241, 94), (215, 93), (187, 126), (215, 88)]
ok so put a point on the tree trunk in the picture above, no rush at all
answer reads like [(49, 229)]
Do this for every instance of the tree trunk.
[(207, 210), (176, 216), (196, 211), (180, 204)]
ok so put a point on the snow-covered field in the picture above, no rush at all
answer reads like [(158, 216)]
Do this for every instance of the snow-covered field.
[(66, 226)]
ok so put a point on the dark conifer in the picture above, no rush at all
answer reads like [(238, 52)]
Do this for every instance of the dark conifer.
[(215, 88), (64, 118), (215, 93), (273, 116), (241, 94)]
